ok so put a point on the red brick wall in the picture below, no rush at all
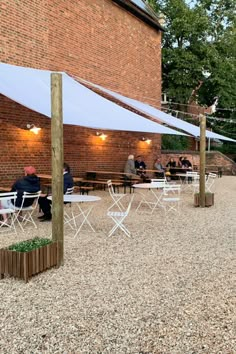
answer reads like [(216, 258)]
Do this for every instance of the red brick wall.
[(93, 39)]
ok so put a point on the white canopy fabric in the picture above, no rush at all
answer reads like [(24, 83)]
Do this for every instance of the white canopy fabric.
[(81, 106), (159, 115)]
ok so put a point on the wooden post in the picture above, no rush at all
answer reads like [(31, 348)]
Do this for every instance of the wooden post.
[(202, 159), (57, 165)]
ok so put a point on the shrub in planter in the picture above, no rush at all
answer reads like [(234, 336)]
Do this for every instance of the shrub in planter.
[(209, 199), (27, 258)]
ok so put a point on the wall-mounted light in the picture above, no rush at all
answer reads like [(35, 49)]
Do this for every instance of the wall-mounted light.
[(33, 128), (148, 141), (101, 135)]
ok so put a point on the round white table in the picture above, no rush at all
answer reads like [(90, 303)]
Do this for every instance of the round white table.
[(157, 190), (78, 199)]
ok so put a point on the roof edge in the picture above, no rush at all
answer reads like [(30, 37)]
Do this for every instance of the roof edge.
[(140, 14)]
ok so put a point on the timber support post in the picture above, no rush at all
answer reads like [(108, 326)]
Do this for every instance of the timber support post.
[(202, 159), (57, 165)]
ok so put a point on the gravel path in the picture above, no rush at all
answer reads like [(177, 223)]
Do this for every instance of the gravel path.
[(170, 289)]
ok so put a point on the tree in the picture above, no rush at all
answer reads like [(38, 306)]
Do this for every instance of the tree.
[(199, 44)]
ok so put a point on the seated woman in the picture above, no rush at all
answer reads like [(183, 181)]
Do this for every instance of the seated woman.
[(170, 164), (45, 204), (160, 170)]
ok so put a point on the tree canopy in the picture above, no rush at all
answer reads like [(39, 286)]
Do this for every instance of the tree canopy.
[(199, 45)]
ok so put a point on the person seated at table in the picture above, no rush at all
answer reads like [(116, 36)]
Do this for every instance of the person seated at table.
[(139, 163), (171, 163), (160, 170), (29, 183), (130, 166), (186, 163), (140, 167), (180, 161), (45, 204)]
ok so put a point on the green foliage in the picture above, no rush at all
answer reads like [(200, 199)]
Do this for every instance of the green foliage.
[(226, 148), (174, 142), (29, 245), (199, 45)]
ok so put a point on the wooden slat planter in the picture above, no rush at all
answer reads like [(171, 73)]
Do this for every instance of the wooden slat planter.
[(24, 265), (209, 199)]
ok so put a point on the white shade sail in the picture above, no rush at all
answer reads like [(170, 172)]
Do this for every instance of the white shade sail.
[(159, 115), (81, 106)]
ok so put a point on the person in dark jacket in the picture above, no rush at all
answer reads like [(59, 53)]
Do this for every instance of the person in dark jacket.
[(45, 204), (29, 183), (139, 163), (186, 163), (171, 163), (140, 167)]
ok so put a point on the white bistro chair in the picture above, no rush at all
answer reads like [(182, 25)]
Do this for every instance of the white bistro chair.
[(7, 207), (24, 214), (210, 181), (116, 197), (171, 197), (67, 217), (191, 178), (162, 180), (118, 217)]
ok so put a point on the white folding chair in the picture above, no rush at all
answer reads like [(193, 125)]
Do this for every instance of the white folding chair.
[(210, 181), (67, 217), (24, 213), (116, 197), (7, 207), (118, 217), (155, 180), (191, 176), (171, 197)]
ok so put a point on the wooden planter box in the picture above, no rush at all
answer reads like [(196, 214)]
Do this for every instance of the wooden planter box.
[(24, 265), (209, 199)]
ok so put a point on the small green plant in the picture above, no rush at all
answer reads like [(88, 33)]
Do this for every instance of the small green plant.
[(29, 245)]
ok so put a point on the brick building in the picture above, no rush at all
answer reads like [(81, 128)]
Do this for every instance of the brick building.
[(113, 43)]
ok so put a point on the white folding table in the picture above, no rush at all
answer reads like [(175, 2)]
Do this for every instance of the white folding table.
[(76, 200), (156, 188)]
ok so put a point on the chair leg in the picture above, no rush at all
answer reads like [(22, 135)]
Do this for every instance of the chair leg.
[(119, 224)]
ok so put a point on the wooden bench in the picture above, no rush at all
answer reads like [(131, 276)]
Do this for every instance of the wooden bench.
[(103, 183), (83, 189)]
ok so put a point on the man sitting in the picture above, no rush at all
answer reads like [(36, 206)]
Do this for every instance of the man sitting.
[(45, 204), (140, 167), (186, 163)]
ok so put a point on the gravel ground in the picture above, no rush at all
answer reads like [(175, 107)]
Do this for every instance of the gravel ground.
[(170, 289)]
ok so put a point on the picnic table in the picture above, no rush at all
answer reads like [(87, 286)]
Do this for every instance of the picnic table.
[(117, 178)]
